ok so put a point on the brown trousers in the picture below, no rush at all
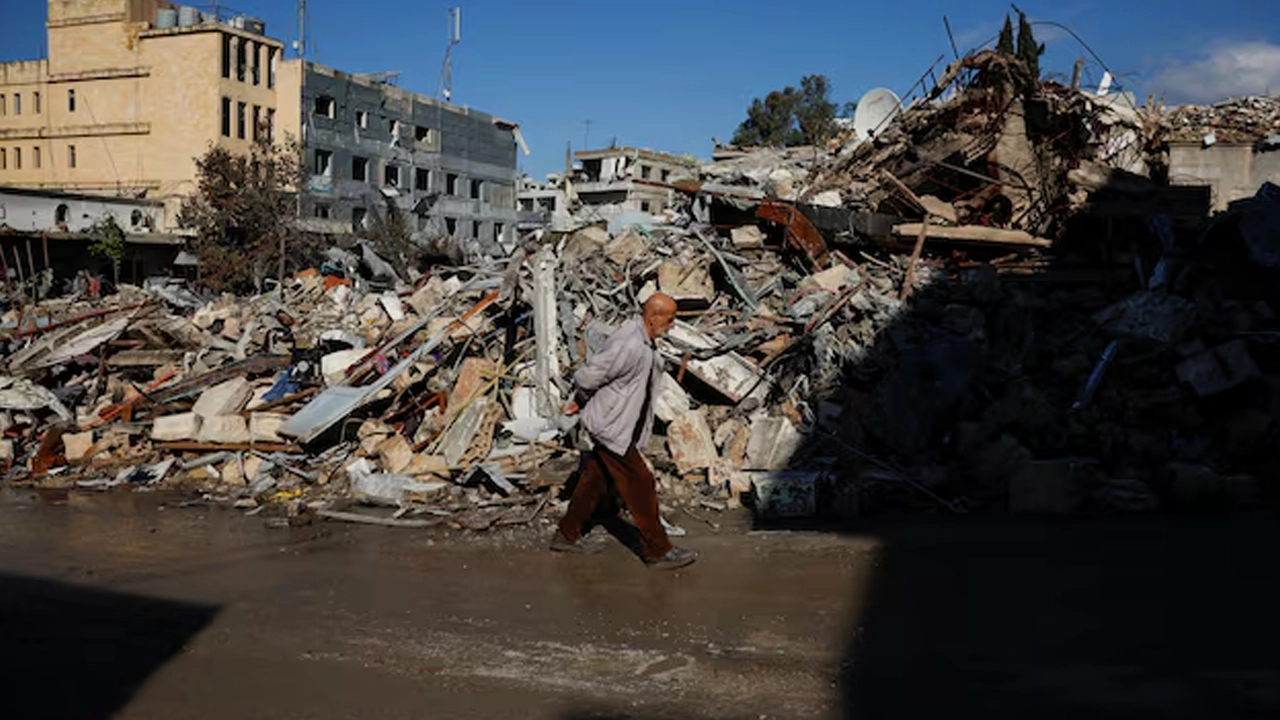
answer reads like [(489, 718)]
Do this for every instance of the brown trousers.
[(635, 483)]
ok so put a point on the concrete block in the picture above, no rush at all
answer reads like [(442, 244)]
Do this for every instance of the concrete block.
[(223, 399), (788, 494), (672, 400), (395, 454), (773, 442), (224, 429), (265, 427), (77, 445), (747, 237), (690, 442), (334, 365), (252, 466), (171, 428), (836, 278), (1050, 486), (232, 474)]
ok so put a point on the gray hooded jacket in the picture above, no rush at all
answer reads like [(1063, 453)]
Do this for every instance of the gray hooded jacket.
[(615, 380)]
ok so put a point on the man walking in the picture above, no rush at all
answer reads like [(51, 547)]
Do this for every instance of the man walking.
[(621, 382)]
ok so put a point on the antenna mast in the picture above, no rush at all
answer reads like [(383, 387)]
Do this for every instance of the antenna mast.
[(445, 91)]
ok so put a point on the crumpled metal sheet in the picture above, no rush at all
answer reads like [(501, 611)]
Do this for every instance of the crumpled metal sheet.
[(20, 394), (86, 342)]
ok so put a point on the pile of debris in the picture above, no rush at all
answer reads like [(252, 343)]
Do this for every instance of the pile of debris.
[(996, 310), (1241, 120)]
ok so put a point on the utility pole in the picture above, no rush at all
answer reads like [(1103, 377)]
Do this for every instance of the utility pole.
[(302, 106), (445, 89)]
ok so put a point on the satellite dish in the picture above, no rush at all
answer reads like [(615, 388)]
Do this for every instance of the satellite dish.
[(875, 110)]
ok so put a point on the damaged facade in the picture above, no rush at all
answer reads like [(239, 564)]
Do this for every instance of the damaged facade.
[(448, 170)]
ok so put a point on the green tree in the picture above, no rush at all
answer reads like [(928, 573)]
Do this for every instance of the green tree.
[(108, 244), (242, 207), (1004, 46), (790, 116), (1029, 51)]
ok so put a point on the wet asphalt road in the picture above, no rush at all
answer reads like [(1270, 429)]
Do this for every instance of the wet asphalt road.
[(111, 607)]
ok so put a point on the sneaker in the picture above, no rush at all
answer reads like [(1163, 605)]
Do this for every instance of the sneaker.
[(559, 543), (675, 558)]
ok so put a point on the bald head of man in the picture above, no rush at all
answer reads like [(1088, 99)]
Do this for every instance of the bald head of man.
[(659, 313)]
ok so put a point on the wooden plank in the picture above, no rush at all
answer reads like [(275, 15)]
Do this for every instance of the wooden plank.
[(974, 234), (145, 358), (187, 446)]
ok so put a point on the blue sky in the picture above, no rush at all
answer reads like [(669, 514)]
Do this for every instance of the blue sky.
[(670, 75)]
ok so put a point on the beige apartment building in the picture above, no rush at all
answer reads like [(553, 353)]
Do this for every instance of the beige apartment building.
[(131, 93)]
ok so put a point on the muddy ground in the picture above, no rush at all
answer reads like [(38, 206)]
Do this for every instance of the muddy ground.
[(131, 607)]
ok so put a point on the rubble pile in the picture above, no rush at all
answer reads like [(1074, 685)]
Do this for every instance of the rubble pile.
[(1007, 316), (1241, 120)]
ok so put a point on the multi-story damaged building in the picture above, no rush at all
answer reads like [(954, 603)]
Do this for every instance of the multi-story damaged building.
[(448, 170), (134, 91), (615, 180)]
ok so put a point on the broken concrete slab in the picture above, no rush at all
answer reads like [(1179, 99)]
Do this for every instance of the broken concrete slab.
[(395, 454), (672, 401), (785, 494), (334, 365), (223, 399), (625, 246), (690, 441), (773, 443), (747, 237), (835, 279), (265, 427), (686, 284), (223, 430), (172, 428), (76, 445)]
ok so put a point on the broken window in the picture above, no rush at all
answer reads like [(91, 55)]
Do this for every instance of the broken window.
[(321, 211), (226, 117), (644, 172), (257, 63), (60, 215), (135, 218), (362, 119), (644, 206), (451, 226), (324, 163), (226, 55), (666, 174), (357, 219), (475, 229), (424, 135), (451, 184), (360, 169), (526, 204), (325, 106), (498, 229), (35, 102), (240, 59), (477, 189), (241, 111), (421, 179), (71, 101), (71, 156), (391, 175), (35, 157)]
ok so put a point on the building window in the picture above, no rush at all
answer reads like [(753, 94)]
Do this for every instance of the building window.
[(71, 156), (35, 157), (497, 231), (71, 101), (226, 117), (135, 218), (360, 169), (257, 63), (4, 159), (226, 55), (321, 211), (451, 184), (362, 119), (666, 175), (324, 162), (3, 109), (35, 102), (271, 68), (421, 179), (451, 226), (271, 124), (17, 158), (60, 215), (17, 103), (391, 175), (424, 135), (644, 206), (644, 172), (357, 219), (477, 189), (325, 106), (241, 111), (475, 229), (257, 122), (241, 52)]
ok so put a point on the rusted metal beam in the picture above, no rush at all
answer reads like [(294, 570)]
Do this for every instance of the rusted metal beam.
[(798, 231)]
